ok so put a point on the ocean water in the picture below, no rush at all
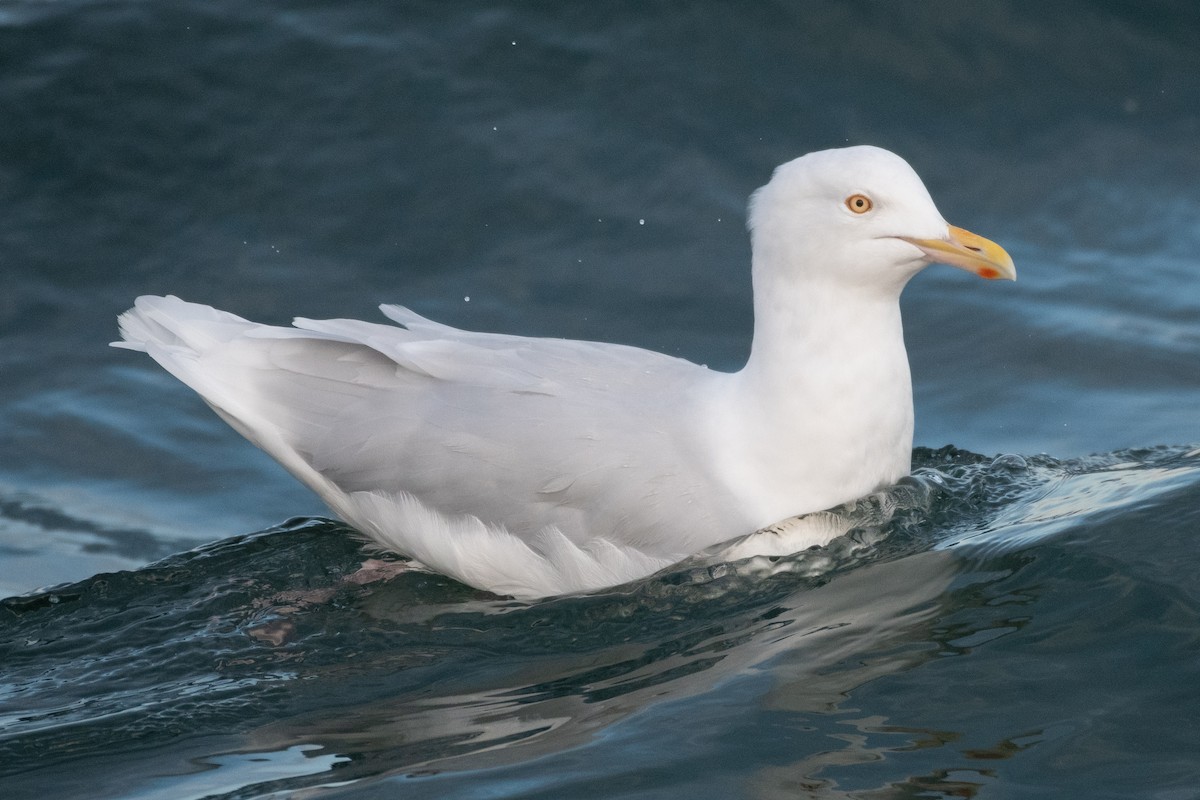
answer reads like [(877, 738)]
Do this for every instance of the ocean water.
[(182, 623)]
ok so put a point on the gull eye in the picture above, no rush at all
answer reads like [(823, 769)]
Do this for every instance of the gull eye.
[(859, 203)]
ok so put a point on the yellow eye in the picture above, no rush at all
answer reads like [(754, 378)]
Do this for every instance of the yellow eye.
[(859, 203)]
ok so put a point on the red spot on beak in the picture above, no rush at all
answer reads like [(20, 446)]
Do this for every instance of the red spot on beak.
[(989, 273)]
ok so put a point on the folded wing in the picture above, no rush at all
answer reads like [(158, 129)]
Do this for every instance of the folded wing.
[(484, 456)]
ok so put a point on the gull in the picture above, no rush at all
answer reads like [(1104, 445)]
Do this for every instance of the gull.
[(534, 467)]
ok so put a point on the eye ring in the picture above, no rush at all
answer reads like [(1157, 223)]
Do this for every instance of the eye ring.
[(859, 203)]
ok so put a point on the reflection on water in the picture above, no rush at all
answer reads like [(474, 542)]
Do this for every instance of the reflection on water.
[(553, 702), (229, 772)]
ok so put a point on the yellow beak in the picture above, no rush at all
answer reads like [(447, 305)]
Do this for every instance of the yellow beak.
[(968, 251)]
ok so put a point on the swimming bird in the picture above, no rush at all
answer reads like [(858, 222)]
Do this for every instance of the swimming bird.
[(535, 467)]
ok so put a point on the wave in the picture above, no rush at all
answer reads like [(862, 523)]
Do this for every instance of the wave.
[(289, 638)]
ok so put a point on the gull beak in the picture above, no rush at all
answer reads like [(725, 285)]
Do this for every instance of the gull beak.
[(968, 251)]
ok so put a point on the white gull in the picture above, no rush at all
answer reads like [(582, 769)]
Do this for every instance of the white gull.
[(535, 467)]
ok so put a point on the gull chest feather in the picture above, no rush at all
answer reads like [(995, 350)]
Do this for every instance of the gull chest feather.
[(793, 435)]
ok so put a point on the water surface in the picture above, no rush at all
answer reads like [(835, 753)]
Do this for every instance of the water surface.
[(1025, 628)]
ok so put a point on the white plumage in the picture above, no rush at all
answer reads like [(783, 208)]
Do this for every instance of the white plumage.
[(534, 467)]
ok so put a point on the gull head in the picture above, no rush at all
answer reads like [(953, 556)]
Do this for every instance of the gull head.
[(859, 217)]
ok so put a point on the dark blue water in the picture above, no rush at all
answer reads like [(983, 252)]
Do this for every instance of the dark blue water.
[(1025, 626)]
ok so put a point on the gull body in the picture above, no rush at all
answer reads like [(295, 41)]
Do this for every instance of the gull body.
[(534, 467)]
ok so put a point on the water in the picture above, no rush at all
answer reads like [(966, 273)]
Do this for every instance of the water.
[(1026, 627), (1004, 635)]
